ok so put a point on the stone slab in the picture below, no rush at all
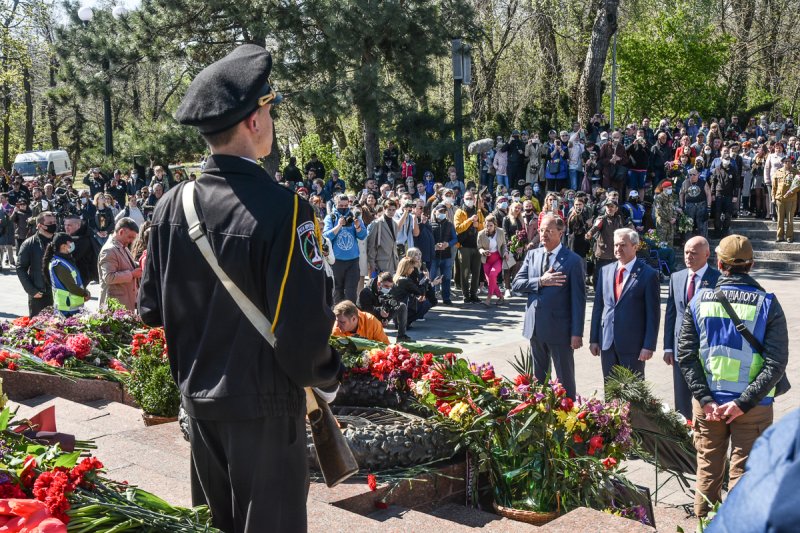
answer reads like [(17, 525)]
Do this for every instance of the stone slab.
[(585, 520), (22, 385)]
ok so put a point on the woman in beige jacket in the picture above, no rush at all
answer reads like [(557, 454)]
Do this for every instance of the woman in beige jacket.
[(494, 256)]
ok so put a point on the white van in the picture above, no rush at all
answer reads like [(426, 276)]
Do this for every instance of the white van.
[(33, 164)]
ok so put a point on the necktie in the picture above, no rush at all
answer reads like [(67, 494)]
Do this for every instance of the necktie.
[(619, 283), (546, 263), (690, 290)]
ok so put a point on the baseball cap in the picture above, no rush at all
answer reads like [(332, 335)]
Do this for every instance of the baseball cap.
[(633, 194), (604, 135), (735, 250)]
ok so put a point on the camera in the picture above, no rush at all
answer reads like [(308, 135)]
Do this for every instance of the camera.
[(357, 213), (348, 220), (408, 205), (388, 304)]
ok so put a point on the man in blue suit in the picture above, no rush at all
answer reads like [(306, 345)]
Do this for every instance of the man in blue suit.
[(683, 286), (552, 277), (626, 310)]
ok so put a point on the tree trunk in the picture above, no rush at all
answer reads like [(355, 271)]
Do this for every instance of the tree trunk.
[(272, 162), (6, 123), (551, 75), (52, 112), (28, 98), (371, 145), (743, 14), (589, 84)]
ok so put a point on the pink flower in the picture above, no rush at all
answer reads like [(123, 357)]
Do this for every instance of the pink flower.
[(609, 463)]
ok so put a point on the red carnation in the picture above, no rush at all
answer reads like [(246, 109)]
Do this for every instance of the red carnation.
[(52, 489), (80, 344), (12, 366), (577, 439), (595, 443), (372, 482), (11, 490), (28, 474), (445, 408)]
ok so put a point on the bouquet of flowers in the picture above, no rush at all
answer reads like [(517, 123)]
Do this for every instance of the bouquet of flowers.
[(394, 364), (87, 345), (685, 223), (518, 242), (542, 449), (44, 488)]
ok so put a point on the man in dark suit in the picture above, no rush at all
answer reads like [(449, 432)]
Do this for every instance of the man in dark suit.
[(552, 277), (683, 286), (626, 310)]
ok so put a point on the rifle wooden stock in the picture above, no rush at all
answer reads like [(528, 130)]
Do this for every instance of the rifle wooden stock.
[(335, 459)]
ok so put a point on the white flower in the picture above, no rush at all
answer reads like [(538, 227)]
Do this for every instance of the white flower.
[(97, 361)]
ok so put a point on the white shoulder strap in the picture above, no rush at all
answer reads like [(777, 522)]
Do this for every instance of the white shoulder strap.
[(253, 314)]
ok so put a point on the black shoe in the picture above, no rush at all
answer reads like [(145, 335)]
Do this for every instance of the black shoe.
[(780, 240), (404, 338), (789, 240), (447, 302)]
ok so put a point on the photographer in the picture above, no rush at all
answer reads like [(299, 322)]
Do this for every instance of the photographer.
[(556, 171), (409, 291), (344, 229), (350, 321), (96, 181), (376, 300), (407, 229)]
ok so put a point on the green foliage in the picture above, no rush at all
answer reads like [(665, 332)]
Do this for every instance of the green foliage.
[(152, 386), (670, 64), (311, 144)]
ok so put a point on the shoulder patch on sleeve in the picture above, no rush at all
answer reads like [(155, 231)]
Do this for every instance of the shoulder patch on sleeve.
[(309, 247)]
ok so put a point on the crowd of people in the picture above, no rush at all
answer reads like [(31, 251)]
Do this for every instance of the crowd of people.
[(543, 220)]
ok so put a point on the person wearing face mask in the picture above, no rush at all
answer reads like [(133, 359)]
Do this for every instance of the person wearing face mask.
[(469, 220), (344, 229), (501, 210), (30, 260), (666, 213), (455, 184), (638, 162), (59, 270), (445, 239), (635, 210)]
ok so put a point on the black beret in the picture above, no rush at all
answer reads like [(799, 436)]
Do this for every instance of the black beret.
[(227, 91)]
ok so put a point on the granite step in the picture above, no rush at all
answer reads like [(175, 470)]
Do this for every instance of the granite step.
[(746, 224), (776, 266)]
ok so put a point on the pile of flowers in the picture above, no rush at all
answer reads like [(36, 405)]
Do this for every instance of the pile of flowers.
[(88, 345), (518, 242), (44, 488), (542, 450), (685, 223), (394, 364)]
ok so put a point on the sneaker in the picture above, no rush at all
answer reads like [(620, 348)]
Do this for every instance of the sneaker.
[(404, 338), (483, 290), (507, 294)]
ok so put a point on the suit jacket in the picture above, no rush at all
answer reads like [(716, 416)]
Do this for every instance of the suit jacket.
[(632, 322), (381, 246), (116, 267), (553, 314), (676, 302)]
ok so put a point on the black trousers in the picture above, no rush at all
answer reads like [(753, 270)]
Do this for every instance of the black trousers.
[(470, 261), (346, 274), (253, 474), (37, 305)]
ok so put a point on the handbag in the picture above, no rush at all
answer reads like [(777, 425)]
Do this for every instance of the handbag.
[(783, 385), (554, 167), (336, 460)]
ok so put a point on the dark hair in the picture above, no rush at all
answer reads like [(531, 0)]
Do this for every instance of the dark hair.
[(127, 223), (140, 244), (385, 276), (220, 138), (50, 251), (743, 268)]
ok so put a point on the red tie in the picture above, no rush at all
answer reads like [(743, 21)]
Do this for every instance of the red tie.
[(619, 283), (690, 290)]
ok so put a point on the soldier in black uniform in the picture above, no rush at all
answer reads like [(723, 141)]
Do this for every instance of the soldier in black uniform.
[(244, 398)]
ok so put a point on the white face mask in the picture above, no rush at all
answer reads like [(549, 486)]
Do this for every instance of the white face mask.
[(469, 203), (448, 200), (503, 205), (707, 151), (441, 216), (668, 192), (384, 290), (70, 247)]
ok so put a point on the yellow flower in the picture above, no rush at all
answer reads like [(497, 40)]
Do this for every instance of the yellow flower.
[(494, 391), (458, 411)]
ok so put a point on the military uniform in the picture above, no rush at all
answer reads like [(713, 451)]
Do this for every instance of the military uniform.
[(244, 397), (665, 212), (785, 202)]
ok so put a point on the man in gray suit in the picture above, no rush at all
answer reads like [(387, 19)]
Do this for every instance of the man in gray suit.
[(683, 286), (552, 277)]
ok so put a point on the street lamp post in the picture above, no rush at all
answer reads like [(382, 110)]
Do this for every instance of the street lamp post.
[(462, 75), (86, 14)]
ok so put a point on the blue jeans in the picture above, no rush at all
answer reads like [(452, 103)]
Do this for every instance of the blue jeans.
[(502, 180), (443, 267), (573, 178)]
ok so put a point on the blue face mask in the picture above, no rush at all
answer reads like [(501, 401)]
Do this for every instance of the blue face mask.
[(536, 190)]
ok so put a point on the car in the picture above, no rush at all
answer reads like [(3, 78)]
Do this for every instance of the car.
[(31, 165)]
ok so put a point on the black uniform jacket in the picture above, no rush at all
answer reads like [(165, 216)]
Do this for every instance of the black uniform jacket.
[(223, 366)]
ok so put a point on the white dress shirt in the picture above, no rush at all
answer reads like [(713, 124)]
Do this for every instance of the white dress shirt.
[(625, 275), (553, 255), (697, 277)]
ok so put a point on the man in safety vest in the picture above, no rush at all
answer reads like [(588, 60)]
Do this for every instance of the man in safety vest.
[(733, 350)]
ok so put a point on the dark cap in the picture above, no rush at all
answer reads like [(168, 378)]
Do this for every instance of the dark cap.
[(227, 91)]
